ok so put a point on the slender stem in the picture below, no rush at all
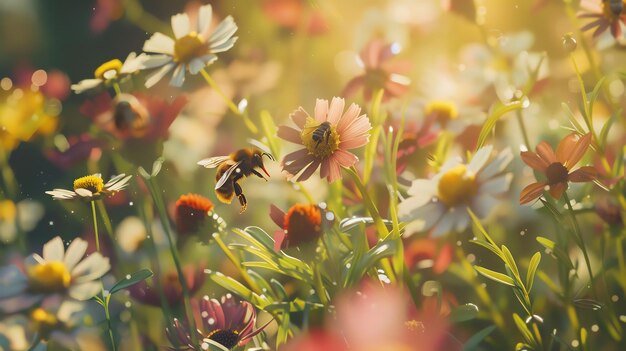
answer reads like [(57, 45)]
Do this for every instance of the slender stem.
[(158, 201), (522, 127), (104, 297), (228, 101), (116, 87), (579, 237), (8, 177)]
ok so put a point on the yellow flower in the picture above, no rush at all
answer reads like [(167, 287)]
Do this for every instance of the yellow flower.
[(91, 187)]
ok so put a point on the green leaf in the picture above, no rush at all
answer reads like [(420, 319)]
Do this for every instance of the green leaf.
[(279, 289), (472, 343), (382, 250), (144, 174), (508, 259), (464, 313), (495, 276), (593, 97), (532, 270), (232, 285), (478, 227), (283, 330), (370, 154), (131, 280), (269, 129), (259, 234), (523, 328), (490, 123), (547, 243), (486, 245), (297, 305)]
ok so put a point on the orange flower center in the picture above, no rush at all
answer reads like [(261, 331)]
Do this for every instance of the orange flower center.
[(49, 277), (303, 223), (189, 47), (556, 173), (456, 186)]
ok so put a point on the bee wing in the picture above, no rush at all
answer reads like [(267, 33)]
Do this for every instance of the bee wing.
[(259, 145), (213, 162), (227, 175)]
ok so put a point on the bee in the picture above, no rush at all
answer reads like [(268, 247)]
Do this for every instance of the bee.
[(130, 115), (321, 133), (616, 6), (231, 168)]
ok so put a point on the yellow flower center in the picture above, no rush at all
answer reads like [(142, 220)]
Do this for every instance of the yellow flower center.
[(49, 277), (443, 111), (414, 326), (456, 186), (188, 47), (321, 139), (8, 211), (44, 321), (93, 183), (109, 69)]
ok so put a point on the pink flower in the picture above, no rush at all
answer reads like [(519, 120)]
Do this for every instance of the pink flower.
[(380, 72), (604, 16), (326, 139)]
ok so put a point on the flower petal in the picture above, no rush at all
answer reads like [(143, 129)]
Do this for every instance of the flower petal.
[(205, 15), (289, 134), (309, 170), (12, 281), (479, 159), (159, 74), (335, 171), (75, 253), (91, 268), (578, 151), (84, 291), (544, 150), (178, 78), (496, 166), (565, 147), (321, 110), (423, 216), (350, 116), (336, 110), (299, 117), (557, 190), (277, 215), (54, 250), (159, 43), (531, 192), (583, 174), (497, 185), (180, 25), (534, 161)]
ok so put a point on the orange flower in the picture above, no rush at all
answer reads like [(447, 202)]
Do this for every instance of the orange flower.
[(557, 167), (191, 211)]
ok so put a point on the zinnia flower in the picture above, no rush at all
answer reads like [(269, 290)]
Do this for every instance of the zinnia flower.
[(326, 139), (557, 168), (302, 224), (380, 72), (192, 50), (442, 201), (59, 272), (111, 72), (91, 187), (227, 322), (605, 14)]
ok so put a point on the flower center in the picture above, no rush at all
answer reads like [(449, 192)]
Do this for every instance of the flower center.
[(93, 183), (414, 326), (44, 321), (303, 223), (443, 111), (375, 78), (321, 139), (556, 173), (188, 47), (109, 69), (49, 277), (225, 337), (456, 186)]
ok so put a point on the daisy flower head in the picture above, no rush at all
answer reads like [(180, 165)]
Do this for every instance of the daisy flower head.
[(604, 14), (111, 72), (557, 167), (192, 49), (91, 187), (326, 138), (57, 272), (441, 203), (227, 323), (380, 72)]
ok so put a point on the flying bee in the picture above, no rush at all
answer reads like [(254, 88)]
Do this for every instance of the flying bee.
[(130, 115), (321, 133), (231, 168)]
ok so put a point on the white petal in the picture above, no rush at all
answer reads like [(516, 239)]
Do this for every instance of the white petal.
[(180, 25), (159, 43), (84, 192), (463, 220), (419, 187), (145, 61), (86, 84), (29, 212), (178, 78), (423, 216), (479, 159), (75, 253), (84, 291), (497, 185), (483, 205), (447, 223), (159, 74), (196, 65), (114, 180), (61, 194), (205, 15), (54, 250), (496, 166), (91, 268)]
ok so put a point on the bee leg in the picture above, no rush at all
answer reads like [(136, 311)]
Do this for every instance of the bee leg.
[(241, 197), (256, 173)]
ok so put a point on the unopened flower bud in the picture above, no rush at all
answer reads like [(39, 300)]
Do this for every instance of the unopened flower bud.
[(569, 42)]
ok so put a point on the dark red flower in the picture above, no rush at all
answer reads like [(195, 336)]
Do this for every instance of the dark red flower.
[(192, 211), (300, 225)]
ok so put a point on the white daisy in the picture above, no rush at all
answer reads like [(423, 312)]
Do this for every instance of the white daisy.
[(192, 49), (91, 187), (441, 203), (58, 273), (112, 71)]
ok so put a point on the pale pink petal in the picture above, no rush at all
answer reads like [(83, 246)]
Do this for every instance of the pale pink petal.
[(356, 135), (395, 89), (336, 110), (325, 168), (354, 142), (335, 171), (297, 165), (371, 53), (344, 158), (279, 237), (289, 134), (294, 156), (309, 171), (299, 117), (349, 117), (277, 215), (321, 110)]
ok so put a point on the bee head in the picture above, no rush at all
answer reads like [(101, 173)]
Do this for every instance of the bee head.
[(257, 160)]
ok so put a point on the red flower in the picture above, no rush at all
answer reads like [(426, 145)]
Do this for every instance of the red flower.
[(300, 225), (191, 212)]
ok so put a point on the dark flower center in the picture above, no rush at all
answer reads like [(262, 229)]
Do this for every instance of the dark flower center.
[(556, 173), (376, 78), (225, 337)]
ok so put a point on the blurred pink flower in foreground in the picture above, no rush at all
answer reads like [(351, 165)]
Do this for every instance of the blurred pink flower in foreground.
[(380, 72), (292, 13), (375, 319), (326, 139)]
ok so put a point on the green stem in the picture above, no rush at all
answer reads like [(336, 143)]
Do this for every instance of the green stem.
[(116, 87), (580, 239), (105, 300), (228, 101), (522, 127), (158, 201)]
